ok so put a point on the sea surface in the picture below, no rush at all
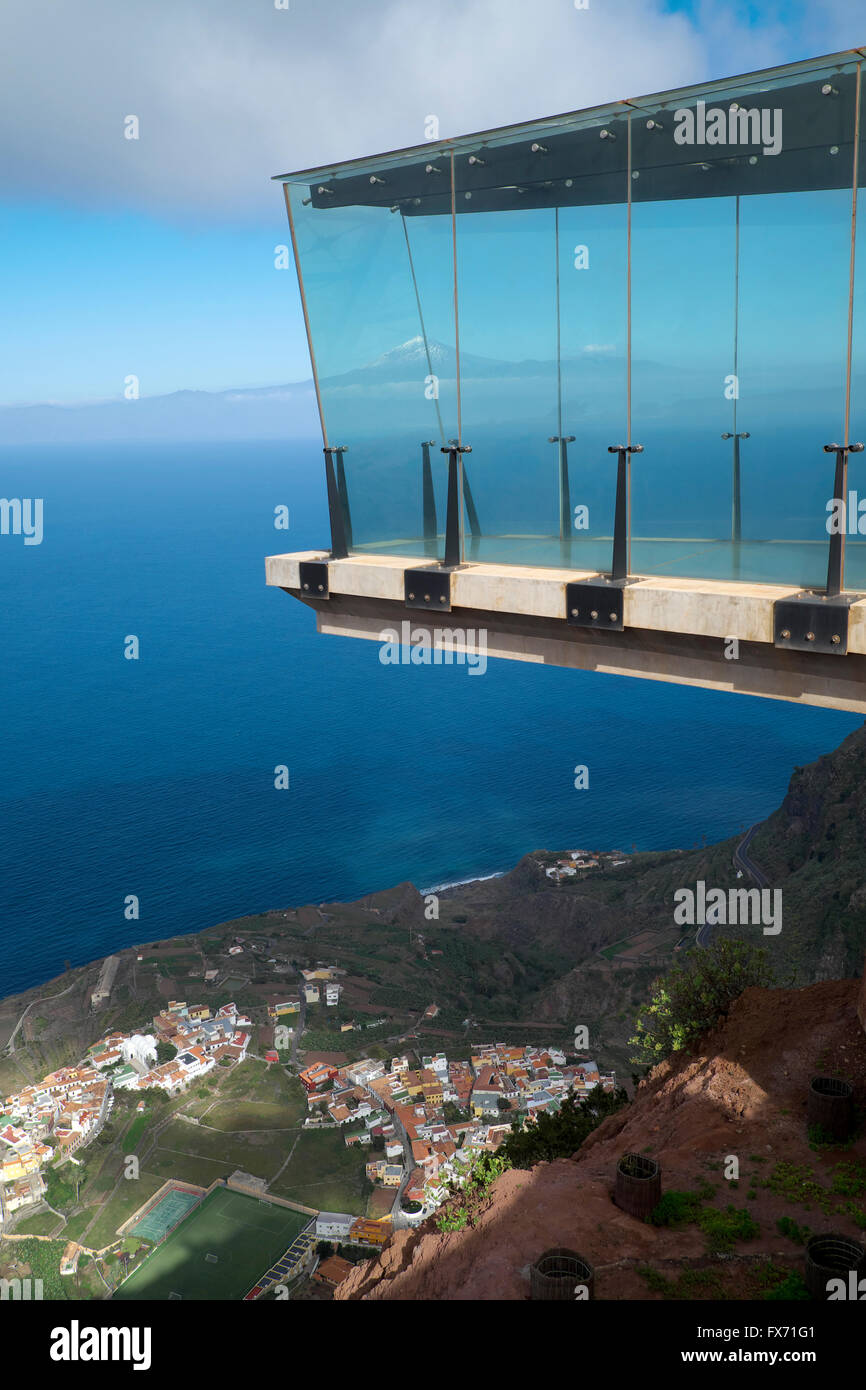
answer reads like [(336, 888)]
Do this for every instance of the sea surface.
[(155, 777)]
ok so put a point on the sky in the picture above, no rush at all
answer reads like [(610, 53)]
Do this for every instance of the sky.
[(156, 256)]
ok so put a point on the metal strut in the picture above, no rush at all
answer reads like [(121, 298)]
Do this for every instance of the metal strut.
[(339, 547)]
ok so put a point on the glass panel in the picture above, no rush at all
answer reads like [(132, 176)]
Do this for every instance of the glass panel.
[(740, 257), (739, 195), (379, 293), (853, 519), (541, 235)]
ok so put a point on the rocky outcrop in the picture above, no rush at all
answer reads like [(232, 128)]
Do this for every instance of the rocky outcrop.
[(743, 1097)]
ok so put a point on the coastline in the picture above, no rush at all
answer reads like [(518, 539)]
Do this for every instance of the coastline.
[(462, 882)]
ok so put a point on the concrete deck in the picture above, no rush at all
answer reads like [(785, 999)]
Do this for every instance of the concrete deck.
[(676, 630)]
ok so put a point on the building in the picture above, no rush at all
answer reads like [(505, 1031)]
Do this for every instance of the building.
[(311, 993), (105, 983), (332, 994), (334, 1225), (389, 1174), (370, 1232), (363, 1072), (290, 1006), (487, 1093), (332, 1271), (315, 1077)]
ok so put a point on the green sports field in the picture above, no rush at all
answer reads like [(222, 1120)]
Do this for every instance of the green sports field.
[(246, 1235)]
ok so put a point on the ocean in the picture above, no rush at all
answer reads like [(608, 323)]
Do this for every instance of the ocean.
[(155, 777)]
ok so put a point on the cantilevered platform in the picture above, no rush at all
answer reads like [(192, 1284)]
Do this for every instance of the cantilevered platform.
[(673, 629)]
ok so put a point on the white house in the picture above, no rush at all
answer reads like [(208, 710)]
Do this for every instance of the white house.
[(334, 1225), (139, 1051)]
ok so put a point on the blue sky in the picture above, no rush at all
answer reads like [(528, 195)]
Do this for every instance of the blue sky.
[(155, 257)]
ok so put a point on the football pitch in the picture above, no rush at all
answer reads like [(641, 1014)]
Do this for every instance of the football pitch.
[(218, 1252)]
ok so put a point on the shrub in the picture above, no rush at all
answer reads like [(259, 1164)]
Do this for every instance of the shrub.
[(676, 1209), (560, 1134), (723, 1228), (695, 996), (798, 1234)]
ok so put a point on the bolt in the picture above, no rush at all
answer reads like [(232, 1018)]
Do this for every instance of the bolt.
[(411, 595), (835, 639), (786, 632), (426, 598), (321, 588), (306, 586), (810, 636), (612, 617), (441, 598), (594, 613), (575, 612)]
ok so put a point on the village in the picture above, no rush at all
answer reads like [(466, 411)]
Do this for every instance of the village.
[(423, 1119), (49, 1120), (426, 1125), (577, 862)]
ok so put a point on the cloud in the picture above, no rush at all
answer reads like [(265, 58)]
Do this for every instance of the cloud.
[(229, 93)]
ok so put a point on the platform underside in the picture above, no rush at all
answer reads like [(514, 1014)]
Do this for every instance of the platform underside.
[(710, 633)]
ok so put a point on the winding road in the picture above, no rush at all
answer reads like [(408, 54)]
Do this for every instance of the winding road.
[(741, 861)]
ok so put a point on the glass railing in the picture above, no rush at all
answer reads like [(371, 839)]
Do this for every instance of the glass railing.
[(678, 272)]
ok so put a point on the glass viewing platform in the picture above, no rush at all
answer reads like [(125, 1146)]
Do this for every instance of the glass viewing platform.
[(625, 345), (675, 271)]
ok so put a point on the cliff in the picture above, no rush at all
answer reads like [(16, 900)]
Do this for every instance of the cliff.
[(743, 1095)]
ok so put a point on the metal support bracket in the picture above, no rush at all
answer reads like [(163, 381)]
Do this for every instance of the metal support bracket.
[(596, 603), (621, 537), (563, 440), (813, 622), (336, 515), (454, 505), (836, 558), (313, 576), (428, 587)]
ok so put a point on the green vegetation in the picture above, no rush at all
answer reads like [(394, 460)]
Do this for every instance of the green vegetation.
[(766, 1280), (722, 1228), (849, 1179), (464, 1208), (60, 1186), (695, 996), (43, 1259), (798, 1234), (688, 1285), (246, 1236), (136, 1130), (791, 1288), (795, 1183), (559, 1135), (324, 1173), (42, 1224)]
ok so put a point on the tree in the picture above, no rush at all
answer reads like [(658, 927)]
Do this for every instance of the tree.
[(695, 996), (165, 1052), (324, 1248), (558, 1135)]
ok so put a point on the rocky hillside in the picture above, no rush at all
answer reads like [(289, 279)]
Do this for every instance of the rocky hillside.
[(742, 1095)]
